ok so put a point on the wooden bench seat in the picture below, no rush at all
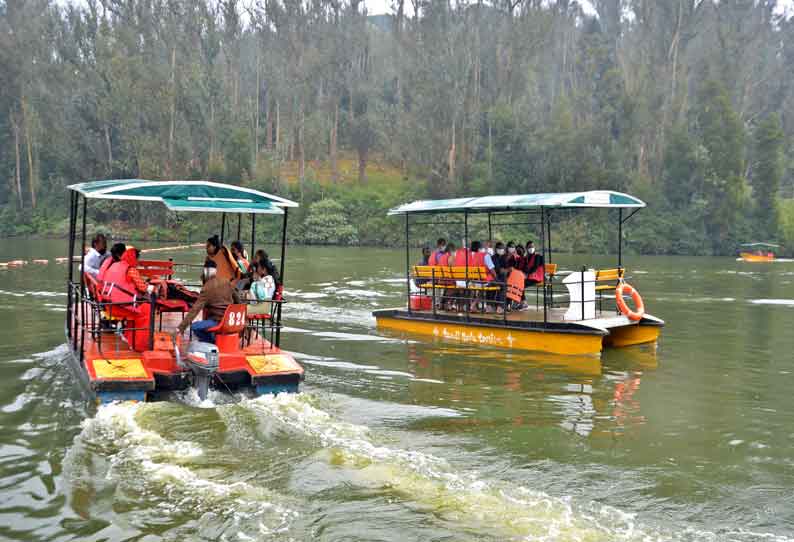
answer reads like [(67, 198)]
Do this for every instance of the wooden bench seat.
[(446, 277), (610, 276)]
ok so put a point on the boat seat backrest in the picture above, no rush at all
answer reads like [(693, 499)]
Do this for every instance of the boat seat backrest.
[(459, 272), (233, 321), (605, 275)]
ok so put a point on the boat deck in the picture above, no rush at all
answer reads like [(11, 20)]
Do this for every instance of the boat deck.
[(604, 319)]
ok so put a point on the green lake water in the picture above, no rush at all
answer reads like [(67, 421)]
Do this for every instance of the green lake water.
[(410, 439)]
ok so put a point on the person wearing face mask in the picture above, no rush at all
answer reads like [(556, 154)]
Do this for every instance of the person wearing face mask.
[(96, 255), (216, 294), (533, 266), (440, 250)]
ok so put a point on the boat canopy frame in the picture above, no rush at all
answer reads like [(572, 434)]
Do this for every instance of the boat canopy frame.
[(177, 196), (542, 206)]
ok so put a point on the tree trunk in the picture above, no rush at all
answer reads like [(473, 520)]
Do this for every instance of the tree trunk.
[(212, 130), (170, 167), (257, 115), (299, 145), (278, 126), (18, 162), (29, 146), (363, 157), (109, 145), (451, 160), (332, 152)]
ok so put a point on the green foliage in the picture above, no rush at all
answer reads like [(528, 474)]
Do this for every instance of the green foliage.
[(462, 98), (237, 155), (767, 173), (328, 223)]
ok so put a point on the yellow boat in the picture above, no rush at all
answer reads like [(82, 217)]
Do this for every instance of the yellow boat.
[(758, 252), (576, 313)]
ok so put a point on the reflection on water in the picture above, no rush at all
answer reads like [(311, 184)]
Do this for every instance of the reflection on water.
[(404, 438)]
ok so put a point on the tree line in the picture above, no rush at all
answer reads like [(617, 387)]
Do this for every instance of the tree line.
[(687, 104)]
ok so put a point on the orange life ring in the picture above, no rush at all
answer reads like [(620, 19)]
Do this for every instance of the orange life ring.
[(636, 314)]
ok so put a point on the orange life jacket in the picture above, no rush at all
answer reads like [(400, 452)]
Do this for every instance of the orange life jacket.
[(116, 287), (460, 257), (477, 259), (103, 268), (442, 259), (515, 285)]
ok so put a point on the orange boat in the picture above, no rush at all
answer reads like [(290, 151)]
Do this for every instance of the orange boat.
[(758, 252), (116, 357)]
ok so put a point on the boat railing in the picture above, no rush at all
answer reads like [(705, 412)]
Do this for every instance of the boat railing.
[(583, 296), (94, 317)]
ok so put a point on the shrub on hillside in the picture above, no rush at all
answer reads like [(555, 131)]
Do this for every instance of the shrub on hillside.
[(327, 224)]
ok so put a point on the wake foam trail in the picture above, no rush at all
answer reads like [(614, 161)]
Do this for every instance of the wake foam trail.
[(494, 508), (163, 477), (486, 506)]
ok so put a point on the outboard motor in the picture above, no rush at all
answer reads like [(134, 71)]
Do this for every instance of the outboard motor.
[(202, 361)]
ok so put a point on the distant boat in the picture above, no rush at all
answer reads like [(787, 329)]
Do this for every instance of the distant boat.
[(758, 252)]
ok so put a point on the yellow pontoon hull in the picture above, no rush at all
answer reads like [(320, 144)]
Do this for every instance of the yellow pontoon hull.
[(631, 335), (564, 340)]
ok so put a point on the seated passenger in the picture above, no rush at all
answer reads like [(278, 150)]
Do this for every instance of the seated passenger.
[(263, 287), (447, 258), (440, 250), (96, 255), (533, 266), (116, 252), (225, 264), (238, 253), (261, 258), (216, 294), (425, 256)]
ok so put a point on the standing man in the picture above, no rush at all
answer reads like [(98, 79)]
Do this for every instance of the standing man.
[(96, 255), (215, 296)]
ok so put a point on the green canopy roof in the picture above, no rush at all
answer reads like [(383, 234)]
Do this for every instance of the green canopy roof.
[(206, 196), (772, 245), (594, 198)]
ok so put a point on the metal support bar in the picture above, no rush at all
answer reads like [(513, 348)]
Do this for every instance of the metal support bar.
[(69, 292), (82, 285), (223, 227), (152, 314), (634, 212), (253, 235), (466, 254), (435, 223), (620, 238), (239, 225), (582, 287), (490, 228), (548, 235), (543, 252), (407, 262), (516, 224), (281, 273)]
